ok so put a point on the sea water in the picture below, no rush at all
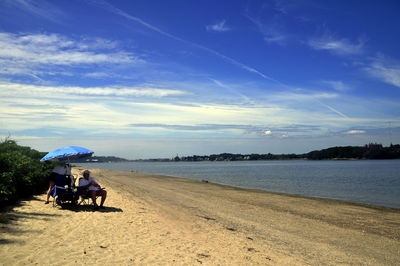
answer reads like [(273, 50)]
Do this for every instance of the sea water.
[(375, 182)]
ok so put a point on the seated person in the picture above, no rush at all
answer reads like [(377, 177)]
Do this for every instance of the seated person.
[(60, 176), (93, 188)]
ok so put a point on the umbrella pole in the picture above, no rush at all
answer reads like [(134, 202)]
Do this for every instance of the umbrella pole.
[(72, 176)]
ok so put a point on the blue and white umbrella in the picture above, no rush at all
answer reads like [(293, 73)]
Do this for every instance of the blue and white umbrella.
[(67, 153)]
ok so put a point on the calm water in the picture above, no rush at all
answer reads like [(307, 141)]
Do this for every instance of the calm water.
[(373, 182)]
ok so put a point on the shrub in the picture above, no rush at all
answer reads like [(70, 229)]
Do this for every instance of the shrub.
[(21, 172)]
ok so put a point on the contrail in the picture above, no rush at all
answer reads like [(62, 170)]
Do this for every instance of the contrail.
[(119, 12), (230, 89), (333, 109), (35, 77), (232, 61)]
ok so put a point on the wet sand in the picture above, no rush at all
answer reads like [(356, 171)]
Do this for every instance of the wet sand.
[(165, 220)]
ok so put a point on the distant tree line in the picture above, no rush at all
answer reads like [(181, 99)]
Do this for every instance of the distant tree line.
[(369, 151), (99, 159), (21, 172), (239, 157)]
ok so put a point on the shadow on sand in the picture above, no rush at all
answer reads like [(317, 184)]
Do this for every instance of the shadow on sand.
[(87, 208), (9, 218)]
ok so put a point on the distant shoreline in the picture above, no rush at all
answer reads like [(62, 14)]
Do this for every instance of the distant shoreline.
[(210, 177), (373, 206), (372, 151), (173, 161)]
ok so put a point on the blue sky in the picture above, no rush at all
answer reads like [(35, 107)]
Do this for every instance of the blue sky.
[(142, 79)]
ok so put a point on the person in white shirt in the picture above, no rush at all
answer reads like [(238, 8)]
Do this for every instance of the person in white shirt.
[(94, 189)]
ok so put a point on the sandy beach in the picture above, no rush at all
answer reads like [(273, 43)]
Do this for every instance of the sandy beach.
[(158, 220)]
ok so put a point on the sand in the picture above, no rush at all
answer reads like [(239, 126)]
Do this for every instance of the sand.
[(158, 220)]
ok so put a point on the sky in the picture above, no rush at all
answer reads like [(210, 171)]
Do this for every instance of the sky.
[(153, 79)]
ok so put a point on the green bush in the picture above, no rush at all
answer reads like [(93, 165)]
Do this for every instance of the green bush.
[(21, 172)]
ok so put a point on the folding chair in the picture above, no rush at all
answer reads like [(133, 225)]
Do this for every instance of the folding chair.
[(84, 196), (63, 191)]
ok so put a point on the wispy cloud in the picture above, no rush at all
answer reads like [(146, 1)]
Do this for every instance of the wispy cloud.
[(53, 49), (199, 127), (157, 111), (232, 90), (97, 75), (30, 54), (43, 9), (354, 131), (272, 31), (105, 5), (273, 131), (44, 91), (340, 46), (218, 27), (336, 85), (304, 96), (283, 6), (385, 70)]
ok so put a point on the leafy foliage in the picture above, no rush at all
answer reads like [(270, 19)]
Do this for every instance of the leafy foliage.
[(21, 173), (369, 151)]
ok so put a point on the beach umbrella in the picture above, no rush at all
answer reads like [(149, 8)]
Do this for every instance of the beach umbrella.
[(67, 153)]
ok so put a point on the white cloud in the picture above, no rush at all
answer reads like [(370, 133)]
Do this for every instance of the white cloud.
[(355, 132), (298, 96), (30, 110), (219, 27), (307, 100), (337, 85), (98, 43), (384, 70), (275, 37), (337, 46), (111, 110), (24, 53), (208, 113), (97, 75), (8, 89)]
